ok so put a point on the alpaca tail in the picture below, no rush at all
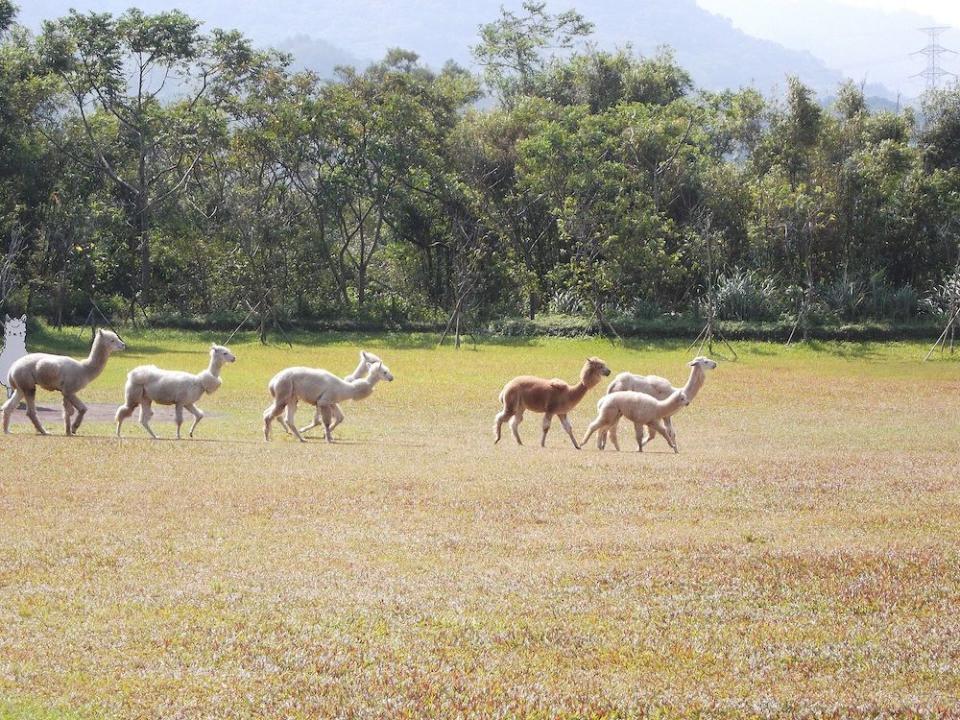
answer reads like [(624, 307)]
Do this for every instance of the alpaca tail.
[(134, 390)]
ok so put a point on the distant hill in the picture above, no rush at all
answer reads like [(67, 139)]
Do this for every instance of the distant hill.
[(868, 45), (317, 55), (324, 33)]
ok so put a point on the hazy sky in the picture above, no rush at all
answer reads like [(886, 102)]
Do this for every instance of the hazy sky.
[(867, 40), (944, 11)]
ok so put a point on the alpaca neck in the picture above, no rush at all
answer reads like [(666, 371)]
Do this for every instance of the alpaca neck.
[(215, 365), (210, 378), (97, 359), (670, 406), (587, 381), (694, 382), (359, 372), (359, 389)]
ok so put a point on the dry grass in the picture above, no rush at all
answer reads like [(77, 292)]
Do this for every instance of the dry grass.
[(799, 558)]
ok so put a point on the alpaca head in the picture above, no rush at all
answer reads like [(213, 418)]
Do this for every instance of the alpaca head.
[(593, 369), (368, 358), (110, 340), (15, 327), (221, 354), (379, 371), (704, 363)]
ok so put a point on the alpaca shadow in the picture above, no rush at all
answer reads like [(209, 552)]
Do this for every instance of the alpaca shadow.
[(172, 439)]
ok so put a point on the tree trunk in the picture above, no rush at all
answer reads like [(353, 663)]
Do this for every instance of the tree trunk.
[(143, 226)]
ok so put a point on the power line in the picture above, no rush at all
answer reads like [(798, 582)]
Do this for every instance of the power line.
[(934, 72)]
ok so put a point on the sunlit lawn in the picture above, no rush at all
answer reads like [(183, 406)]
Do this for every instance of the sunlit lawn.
[(799, 556)]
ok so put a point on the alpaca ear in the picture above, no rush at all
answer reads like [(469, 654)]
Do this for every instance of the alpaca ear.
[(364, 356), (23, 318)]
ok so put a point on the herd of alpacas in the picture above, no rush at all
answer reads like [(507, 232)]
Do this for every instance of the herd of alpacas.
[(648, 401)]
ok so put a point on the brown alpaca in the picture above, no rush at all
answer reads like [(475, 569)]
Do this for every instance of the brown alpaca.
[(550, 397)]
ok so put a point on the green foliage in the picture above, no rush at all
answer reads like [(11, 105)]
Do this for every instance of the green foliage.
[(171, 172), (745, 295)]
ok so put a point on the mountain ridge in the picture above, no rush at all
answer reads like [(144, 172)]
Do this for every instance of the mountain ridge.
[(708, 45)]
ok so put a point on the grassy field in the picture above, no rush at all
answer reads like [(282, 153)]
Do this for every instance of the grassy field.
[(799, 558)]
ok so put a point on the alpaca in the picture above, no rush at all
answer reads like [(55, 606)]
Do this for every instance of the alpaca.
[(14, 347), (331, 415), (319, 388), (149, 384), (639, 407), (57, 372), (550, 397), (661, 389)]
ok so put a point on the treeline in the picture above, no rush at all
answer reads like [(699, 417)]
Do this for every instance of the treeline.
[(163, 171)]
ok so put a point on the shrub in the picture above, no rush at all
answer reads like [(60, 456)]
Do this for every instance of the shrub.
[(945, 298), (746, 295)]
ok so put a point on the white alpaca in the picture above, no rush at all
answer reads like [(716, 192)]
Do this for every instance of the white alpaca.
[(331, 415), (659, 388), (149, 384), (319, 388), (60, 373), (14, 347), (640, 408)]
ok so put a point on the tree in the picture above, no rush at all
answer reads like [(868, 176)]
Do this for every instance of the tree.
[(117, 73), (516, 50)]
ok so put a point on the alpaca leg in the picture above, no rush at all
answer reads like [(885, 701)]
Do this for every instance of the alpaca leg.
[(123, 412), (67, 415), (501, 418), (601, 440), (326, 413), (8, 407), (673, 435), (197, 416), (659, 427), (81, 411), (146, 412), (547, 419), (274, 411), (612, 434), (337, 418), (316, 421), (321, 414), (31, 397), (651, 434), (569, 428), (596, 425), (638, 429), (292, 421), (178, 417), (515, 426)]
